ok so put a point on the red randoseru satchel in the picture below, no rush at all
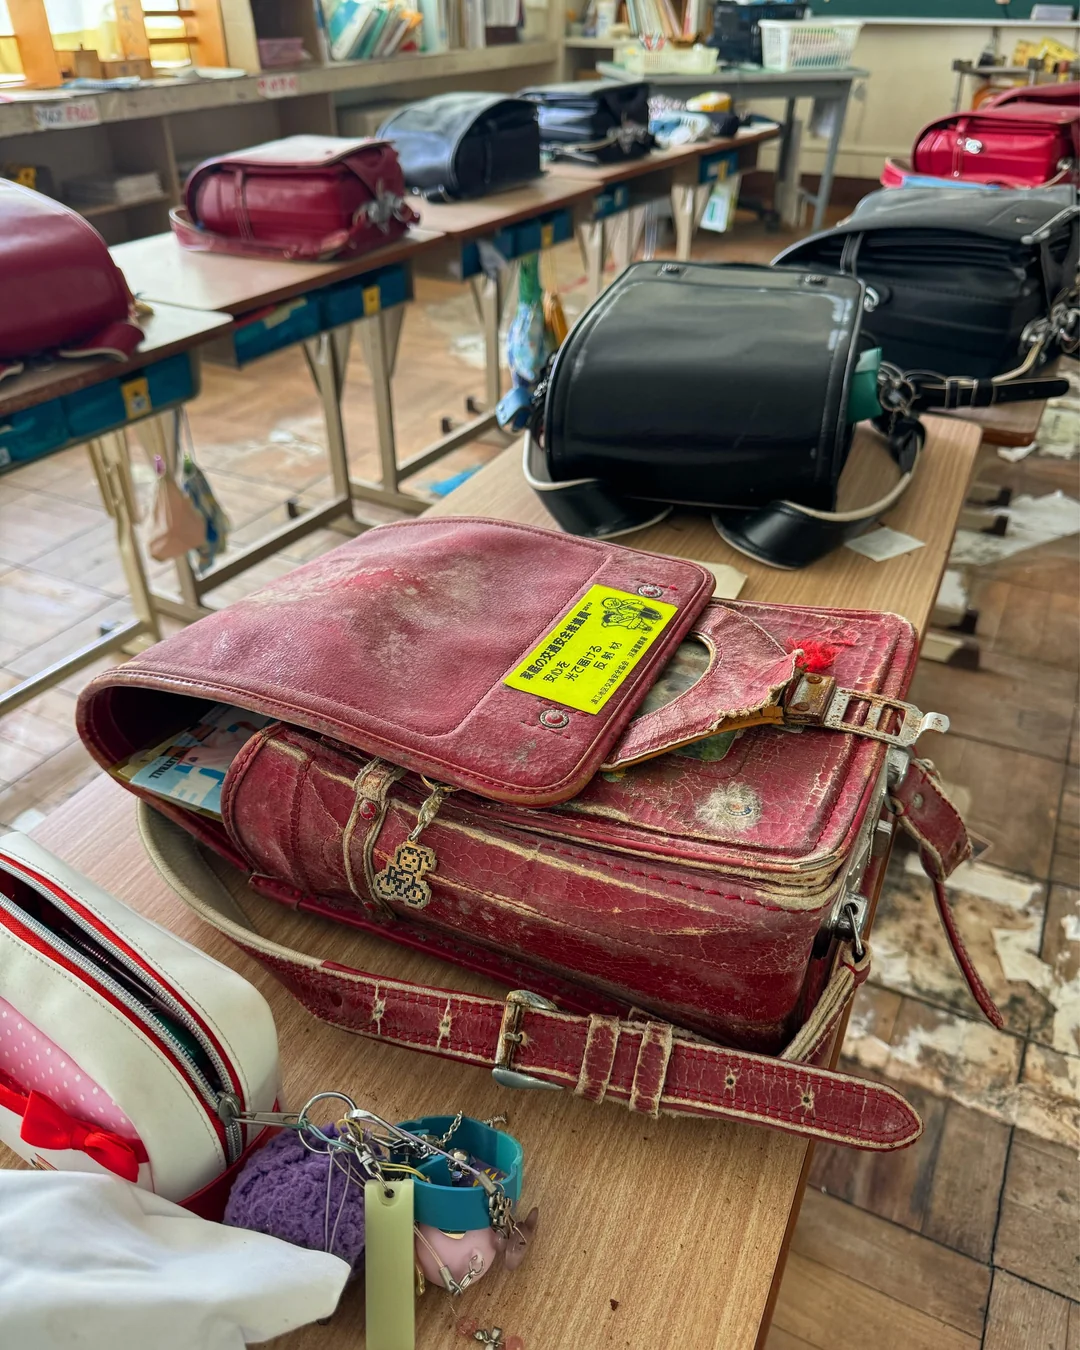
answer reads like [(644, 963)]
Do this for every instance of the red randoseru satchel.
[(60, 292), (557, 761), (308, 198)]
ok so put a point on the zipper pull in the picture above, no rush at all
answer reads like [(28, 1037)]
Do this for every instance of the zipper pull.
[(402, 878)]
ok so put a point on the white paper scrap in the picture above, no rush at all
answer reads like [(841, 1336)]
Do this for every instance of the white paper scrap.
[(883, 543), (729, 580)]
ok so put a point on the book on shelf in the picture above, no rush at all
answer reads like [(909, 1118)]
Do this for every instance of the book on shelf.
[(361, 30), (112, 189)]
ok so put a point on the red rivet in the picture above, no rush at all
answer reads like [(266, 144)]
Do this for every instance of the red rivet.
[(650, 591), (554, 719), (368, 810)]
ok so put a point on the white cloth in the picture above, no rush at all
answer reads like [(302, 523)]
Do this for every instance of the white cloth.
[(94, 1262)]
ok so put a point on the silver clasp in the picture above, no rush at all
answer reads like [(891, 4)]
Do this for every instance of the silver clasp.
[(913, 722), (511, 1036)]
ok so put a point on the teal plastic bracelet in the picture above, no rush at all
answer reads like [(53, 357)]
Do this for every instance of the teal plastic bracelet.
[(459, 1209)]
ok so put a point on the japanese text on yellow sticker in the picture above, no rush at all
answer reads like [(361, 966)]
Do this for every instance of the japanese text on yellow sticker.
[(593, 648)]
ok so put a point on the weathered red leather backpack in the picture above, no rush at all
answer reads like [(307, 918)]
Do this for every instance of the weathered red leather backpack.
[(304, 197), (60, 292), (496, 743)]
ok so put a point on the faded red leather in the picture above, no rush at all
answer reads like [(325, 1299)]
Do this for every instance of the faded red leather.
[(925, 812), (653, 1068), (60, 292), (699, 885), (397, 644), (304, 197)]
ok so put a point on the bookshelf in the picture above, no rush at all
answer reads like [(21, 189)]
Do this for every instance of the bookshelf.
[(168, 125)]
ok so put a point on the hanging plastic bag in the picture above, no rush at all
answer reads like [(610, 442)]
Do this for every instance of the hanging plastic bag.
[(530, 342), (175, 526), (201, 497)]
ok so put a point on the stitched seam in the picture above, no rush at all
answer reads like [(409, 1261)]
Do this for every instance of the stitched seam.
[(294, 825)]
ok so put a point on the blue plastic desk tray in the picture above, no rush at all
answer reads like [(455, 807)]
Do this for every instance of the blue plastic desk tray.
[(73, 418)]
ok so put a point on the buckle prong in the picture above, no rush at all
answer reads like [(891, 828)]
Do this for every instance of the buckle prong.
[(518, 1002)]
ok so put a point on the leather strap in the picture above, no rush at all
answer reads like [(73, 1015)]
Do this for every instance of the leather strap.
[(653, 1067), (924, 810)]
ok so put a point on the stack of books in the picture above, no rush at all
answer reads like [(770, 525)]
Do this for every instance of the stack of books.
[(112, 189), (362, 30)]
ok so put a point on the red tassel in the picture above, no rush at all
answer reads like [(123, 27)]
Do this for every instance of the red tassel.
[(816, 656)]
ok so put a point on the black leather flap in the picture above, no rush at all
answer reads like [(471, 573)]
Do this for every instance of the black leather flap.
[(708, 384), (465, 144)]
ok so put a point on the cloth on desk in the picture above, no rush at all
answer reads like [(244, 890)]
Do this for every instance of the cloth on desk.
[(93, 1261)]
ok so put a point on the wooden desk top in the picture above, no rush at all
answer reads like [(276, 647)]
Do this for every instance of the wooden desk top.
[(167, 331), (468, 220), (906, 585), (602, 174), (158, 269), (654, 1235)]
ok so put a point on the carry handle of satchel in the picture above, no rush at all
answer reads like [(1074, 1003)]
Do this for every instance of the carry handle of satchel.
[(651, 1066)]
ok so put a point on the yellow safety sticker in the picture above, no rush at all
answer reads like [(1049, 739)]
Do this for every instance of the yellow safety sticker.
[(592, 649), (547, 234), (136, 397), (371, 300)]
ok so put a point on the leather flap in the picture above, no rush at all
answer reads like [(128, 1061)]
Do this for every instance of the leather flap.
[(284, 156), (995, 213), (298, 152), (400, 644)]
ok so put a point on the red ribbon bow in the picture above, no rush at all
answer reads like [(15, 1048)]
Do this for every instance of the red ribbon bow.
[(46, 1125)]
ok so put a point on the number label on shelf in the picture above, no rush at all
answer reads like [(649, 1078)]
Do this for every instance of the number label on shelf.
[(278, 86), (75, 112)]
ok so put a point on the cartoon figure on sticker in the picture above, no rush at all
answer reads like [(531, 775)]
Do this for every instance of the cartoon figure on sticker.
[(629, 614)]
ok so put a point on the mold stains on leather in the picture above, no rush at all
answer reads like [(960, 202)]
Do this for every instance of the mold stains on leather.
[(735, 807), (378, 1010)]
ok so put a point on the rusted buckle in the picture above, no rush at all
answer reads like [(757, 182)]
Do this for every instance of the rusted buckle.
[(815, 701), (912, 724), (510, 1036)]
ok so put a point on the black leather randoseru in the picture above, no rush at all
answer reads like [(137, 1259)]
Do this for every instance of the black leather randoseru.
[(958, 279), (461, 145), (727, 388), (593, 121)]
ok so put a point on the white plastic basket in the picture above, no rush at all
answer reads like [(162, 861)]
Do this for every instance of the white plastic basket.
[(668, 60), (807, 44)]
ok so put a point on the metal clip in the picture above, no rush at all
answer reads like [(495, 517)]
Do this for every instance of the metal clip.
[(913, 722), (510, 1037), (850, 921)]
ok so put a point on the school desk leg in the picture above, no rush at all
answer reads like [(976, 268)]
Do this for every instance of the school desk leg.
[(786, 178), (688, 201), (592, 237), (828, 169), (490, 293), (380, 337), (112, 467), (624, 246)]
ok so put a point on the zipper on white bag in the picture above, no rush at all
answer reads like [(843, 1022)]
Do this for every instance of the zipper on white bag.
[(209, 1092)]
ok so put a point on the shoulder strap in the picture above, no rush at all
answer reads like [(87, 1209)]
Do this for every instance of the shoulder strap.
[(652, 1067)]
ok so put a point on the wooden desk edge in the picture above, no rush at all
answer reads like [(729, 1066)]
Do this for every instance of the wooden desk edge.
[(401, 251), (83, 374)]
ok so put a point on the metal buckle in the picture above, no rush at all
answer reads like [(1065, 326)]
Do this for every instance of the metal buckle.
[(913, 722), (510, 1037)]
